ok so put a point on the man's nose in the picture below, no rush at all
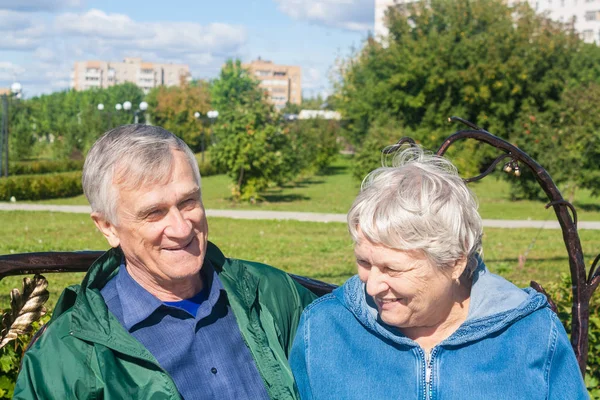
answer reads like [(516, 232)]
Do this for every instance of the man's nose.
[(178, 225), (376, 282)]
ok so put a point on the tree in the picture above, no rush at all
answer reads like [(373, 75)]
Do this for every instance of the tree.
[(482, 60), (173, 108), (564, 139), (251, 145), (67, 123)]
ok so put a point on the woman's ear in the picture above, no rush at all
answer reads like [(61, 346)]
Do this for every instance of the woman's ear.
[(459, 267)]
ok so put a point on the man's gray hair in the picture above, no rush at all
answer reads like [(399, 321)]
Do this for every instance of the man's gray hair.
[(129, 156), (419, 203)]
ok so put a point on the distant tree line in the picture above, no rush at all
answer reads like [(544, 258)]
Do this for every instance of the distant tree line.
[(249, 140)]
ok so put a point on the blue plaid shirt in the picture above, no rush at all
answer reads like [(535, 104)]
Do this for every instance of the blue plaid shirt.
[(204, 354)]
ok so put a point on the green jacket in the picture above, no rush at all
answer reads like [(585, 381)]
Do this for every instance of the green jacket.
[(85, 353)]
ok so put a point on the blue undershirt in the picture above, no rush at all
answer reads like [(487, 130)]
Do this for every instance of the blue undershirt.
[(197, 341), (192, 304)]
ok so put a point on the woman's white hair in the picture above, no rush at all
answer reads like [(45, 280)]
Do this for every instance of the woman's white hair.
[(129, 156), (419, 203)]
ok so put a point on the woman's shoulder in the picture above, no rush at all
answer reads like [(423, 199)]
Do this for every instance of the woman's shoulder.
[(327, 306)]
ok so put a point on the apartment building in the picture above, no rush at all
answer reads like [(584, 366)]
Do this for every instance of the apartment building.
[(146, 75), (584, 13), (282, 83)]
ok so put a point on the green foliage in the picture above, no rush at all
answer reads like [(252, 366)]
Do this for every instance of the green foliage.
[(65, 124), (250, 146), (10, 359), (291, 108), (564, 139), (562, 295), (38, 187), (315, 142), (483, 60), (44, 166), (318, 103), (369, 156), (173, 108)]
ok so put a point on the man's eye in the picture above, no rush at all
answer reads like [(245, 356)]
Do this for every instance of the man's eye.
[(154, 214), (363, 263), (190, 203)]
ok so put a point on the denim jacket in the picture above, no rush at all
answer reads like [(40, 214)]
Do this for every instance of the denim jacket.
[(511, 346)]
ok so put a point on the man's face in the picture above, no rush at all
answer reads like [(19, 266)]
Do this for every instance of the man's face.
[(162, 228)]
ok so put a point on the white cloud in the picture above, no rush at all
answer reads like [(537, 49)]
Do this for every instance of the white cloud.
[(39, 5), (120, 31), (11, 20), (49, 45), (9, 71), (354, 15)]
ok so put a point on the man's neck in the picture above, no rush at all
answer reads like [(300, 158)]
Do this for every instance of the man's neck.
[(171, 290)]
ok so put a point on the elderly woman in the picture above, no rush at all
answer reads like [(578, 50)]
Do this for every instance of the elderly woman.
[(424, 319)]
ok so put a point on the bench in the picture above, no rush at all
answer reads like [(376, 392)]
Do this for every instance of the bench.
[(513, 159)]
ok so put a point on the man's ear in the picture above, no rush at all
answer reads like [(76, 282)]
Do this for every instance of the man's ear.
[(107, 229)]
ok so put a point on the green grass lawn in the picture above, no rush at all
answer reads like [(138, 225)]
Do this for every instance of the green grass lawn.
[(334, 192), (318, 250)]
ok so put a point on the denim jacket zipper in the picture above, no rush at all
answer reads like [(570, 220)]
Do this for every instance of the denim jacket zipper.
[(427, 373)]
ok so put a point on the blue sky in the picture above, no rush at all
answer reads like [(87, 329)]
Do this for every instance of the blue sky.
[(40, 39)]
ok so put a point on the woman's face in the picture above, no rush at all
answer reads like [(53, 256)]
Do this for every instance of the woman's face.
[(408, 290)]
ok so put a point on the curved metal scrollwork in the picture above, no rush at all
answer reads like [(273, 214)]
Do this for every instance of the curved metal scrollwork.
[(583, 286)]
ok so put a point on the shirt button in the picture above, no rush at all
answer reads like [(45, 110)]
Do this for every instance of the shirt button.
[(213, 370)]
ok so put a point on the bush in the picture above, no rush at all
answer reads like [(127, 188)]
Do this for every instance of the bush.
[(10, 358), (315, 142), (39, 187), (207, 169), (44, 167), (368, 157), (561, 294)]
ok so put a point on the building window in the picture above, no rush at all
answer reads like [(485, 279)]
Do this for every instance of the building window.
[(591, 15), (279, 73), (260, 72), (588, 35), (147, 71)]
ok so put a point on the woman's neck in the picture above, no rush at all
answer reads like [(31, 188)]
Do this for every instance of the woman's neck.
[(430, 336)]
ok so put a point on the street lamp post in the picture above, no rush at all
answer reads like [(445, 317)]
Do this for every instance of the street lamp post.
[(142, 107), (118, 107), (202, 142), (127, 107), (15, 91), (212, 115)]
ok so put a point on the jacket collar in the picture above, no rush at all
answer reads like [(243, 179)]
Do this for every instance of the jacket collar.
[(91, 320)]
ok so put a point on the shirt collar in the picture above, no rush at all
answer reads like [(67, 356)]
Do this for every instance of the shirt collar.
[(138, 304)]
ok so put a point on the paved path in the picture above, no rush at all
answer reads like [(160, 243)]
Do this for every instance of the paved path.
[(296, 216)]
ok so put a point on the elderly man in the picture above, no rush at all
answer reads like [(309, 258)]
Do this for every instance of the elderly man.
[(163, 314)]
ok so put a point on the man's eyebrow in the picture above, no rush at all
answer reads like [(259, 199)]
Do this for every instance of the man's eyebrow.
[(189, 193)]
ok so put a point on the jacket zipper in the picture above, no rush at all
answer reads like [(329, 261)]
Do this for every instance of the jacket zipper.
[(427, 373)]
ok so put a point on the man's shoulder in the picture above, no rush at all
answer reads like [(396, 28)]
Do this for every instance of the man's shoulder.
[(266, 276)]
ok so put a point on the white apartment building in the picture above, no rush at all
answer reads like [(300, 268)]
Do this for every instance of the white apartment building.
[(585, 14), (146, 75), (281, 83)]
